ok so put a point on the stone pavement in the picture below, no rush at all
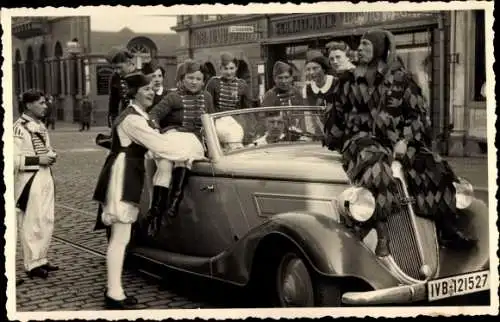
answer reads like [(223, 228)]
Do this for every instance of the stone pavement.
[(80, 283)]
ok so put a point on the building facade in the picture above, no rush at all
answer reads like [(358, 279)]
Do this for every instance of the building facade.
[(64, 57), (423, 43)]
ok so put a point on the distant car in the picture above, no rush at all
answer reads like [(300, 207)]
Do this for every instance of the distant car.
[(281, 214)]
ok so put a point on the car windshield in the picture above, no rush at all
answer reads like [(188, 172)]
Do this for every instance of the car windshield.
[(255, 127)]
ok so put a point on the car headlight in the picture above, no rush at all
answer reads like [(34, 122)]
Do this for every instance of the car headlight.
[(358, 203), (464, 193)]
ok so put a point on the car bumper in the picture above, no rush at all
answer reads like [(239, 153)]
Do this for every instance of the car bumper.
[(394, 295)]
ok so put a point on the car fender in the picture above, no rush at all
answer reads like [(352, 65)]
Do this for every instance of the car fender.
[(329, 247), (456, 262)]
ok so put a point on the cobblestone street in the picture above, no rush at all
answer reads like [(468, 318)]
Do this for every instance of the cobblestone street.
[(80, 283)]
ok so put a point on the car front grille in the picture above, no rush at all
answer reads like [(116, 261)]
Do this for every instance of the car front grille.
[(412, 240)]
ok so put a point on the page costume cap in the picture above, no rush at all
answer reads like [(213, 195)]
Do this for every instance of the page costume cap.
[(282, 67)]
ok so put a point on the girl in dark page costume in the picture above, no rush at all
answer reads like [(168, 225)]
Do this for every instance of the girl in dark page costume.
[(230, 92), (379, 112), (178, 116), (283, 93)]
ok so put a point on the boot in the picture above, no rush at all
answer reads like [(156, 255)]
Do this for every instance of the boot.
[(158, 208), (154, 211), (454, 238), (180, 177)]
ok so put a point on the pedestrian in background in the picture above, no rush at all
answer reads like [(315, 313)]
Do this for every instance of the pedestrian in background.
[(50, 117), (85, 113), (121, 181), (34, 185)]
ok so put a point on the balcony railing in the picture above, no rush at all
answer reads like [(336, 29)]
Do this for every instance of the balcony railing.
[(27, 27)]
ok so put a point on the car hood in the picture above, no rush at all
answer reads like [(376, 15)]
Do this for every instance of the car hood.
[(301, 162)]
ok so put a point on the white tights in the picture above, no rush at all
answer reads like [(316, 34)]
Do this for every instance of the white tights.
[(120, 236), (163, 173)]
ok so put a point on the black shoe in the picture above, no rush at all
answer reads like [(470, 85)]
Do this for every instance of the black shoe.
[(128, 303), (50, 268), (180, 177), (38, 272), (19, 281), (455, 239)]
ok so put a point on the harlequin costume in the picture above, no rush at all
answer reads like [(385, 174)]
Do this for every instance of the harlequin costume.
[(120, 184), (34, 193), (178, 116), (373, 111)]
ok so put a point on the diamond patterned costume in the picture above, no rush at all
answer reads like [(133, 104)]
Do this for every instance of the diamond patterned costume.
[(366, 123)]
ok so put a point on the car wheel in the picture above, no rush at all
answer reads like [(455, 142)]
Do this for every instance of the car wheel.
[(294, 286), (297, 287)]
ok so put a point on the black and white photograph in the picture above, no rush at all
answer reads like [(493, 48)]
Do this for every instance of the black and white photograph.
[(329, 159)]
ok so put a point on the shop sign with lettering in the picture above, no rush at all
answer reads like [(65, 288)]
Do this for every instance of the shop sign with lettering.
[(224, 35), (312, 23), (303, 24)]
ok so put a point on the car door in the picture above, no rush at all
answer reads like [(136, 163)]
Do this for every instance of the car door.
[(204, 224)]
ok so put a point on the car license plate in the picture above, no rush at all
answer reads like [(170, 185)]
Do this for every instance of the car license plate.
[(458, 285)]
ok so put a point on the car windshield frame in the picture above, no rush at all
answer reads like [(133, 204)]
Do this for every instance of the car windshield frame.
[(214, 146)]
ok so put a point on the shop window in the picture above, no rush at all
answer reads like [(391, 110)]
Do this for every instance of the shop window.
[(414, 51), (479, 72)]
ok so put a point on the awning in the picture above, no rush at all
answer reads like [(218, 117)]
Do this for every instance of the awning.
[(395, 27)]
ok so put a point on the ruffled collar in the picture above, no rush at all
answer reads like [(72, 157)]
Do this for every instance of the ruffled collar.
[(160, 91), (34, 126), (325, 87)]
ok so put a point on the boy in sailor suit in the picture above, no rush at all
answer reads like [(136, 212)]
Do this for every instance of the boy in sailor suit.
[(34, 184)]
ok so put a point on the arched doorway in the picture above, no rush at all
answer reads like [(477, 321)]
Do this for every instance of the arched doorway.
[(143, 49), (58, 53), (209, 70), (30, 82), (243, 71), (42, 68)]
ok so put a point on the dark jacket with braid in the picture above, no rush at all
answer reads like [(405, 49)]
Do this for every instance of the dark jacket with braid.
[(181, 110), (229, 94), (277, 97)]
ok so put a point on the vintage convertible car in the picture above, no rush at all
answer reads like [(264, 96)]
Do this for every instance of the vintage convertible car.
[(273, 210)]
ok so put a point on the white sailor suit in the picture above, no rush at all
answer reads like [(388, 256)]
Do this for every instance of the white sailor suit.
[(34, 190)]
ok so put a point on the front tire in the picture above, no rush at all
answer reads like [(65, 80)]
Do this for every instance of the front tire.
[(297, 285)]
